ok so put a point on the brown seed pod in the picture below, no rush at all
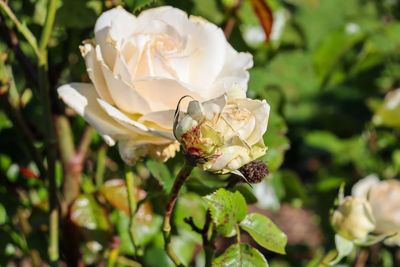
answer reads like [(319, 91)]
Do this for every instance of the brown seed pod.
[(254, 171)]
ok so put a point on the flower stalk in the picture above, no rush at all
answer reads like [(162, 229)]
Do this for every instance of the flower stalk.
[(179, 181), (129, 176)]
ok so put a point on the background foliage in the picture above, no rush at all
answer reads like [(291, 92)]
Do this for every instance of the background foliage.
[(325, 72)]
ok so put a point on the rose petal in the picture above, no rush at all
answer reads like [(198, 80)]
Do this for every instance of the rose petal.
[(164, 119), (260, 109), (206, 44), (228, 153), (162, 52), (121, 68), (173, 16), (110, 28), (82, 98), (124, 95), (166, 91), (134, 125), (233, 71), (362, 187), (132, 150), (95, 73), (214, 106)]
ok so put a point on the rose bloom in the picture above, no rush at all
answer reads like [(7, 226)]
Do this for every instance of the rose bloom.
[(141, 66), (223, 134), (353, 219), (384, 198)]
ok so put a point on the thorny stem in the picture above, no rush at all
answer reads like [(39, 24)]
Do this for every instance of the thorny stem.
[(129, 176), (179, 181)]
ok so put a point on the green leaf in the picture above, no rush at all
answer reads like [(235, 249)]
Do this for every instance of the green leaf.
[(3, 214), (189, 205), (332, 50), (156, 257), (240, 255), (227, 209), (91, 217), (137, 5), (145, 232), (115, 192), (343, 247), (72, 11), (265, 232), (161, 172)]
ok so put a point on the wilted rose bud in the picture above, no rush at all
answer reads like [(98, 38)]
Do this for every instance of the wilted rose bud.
[(384, 198), (353, 219), (254, 171), (223, 134)]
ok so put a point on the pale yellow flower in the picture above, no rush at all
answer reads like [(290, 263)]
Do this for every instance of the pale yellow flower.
[(225, 133)]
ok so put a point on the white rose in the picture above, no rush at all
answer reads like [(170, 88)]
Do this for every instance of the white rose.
[(223, 134), (384, 198), (141, 66)]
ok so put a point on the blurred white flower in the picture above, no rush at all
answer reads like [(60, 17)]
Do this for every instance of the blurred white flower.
[(384, 198), (352, 28)]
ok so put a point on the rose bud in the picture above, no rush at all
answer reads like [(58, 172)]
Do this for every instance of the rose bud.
[(353, 219), (223, 134)]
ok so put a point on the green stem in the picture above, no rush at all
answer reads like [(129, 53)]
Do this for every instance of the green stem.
[(179, 181), (21, 28), (70, 162), (327, 258), (100, 165), (53, 249), (129, 176), (84, 144), (208, 243), (238, 233), (112, 258), (48, 26), (51, 141)]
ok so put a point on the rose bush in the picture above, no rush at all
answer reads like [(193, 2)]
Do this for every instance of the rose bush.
[(225, 133), (141, 66)]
